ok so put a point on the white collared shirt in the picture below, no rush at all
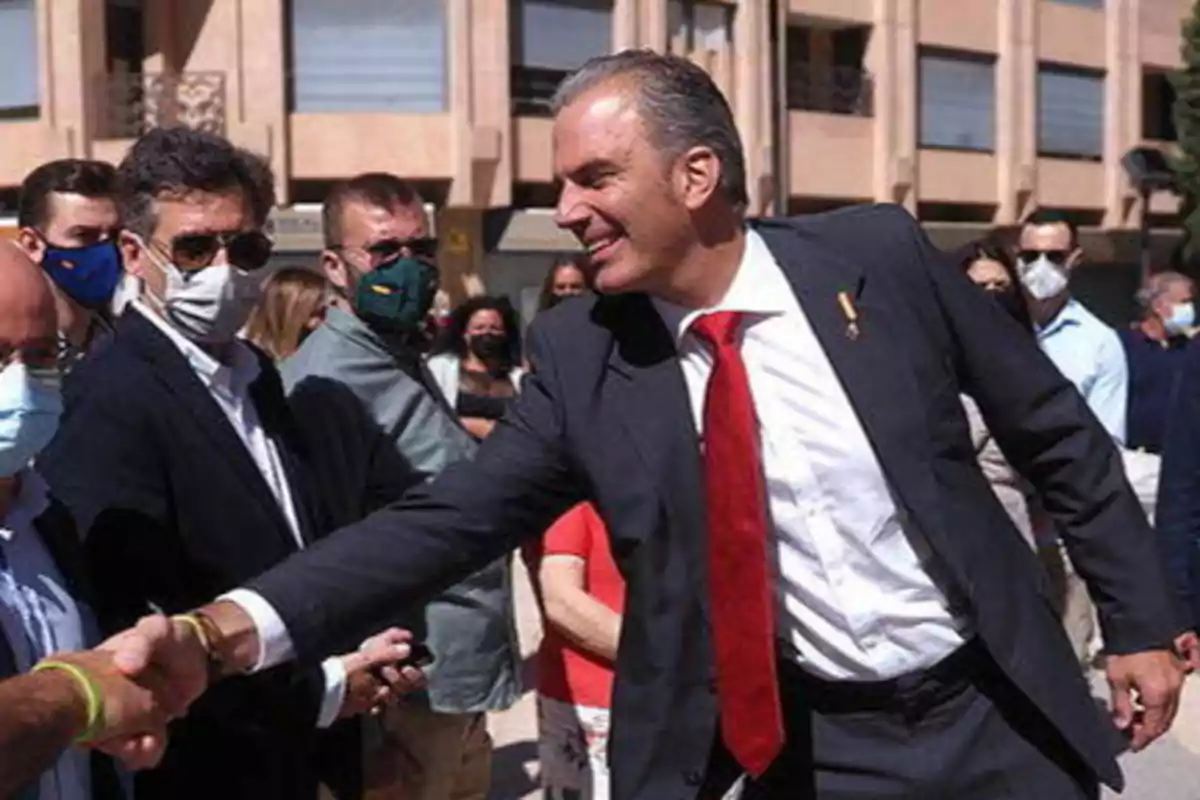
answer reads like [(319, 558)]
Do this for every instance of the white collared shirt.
[(229, 384), (39, 617), (854, 601)]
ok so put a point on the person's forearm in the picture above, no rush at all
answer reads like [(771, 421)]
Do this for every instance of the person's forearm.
[(584, 621), (40, 715), (233, 637)]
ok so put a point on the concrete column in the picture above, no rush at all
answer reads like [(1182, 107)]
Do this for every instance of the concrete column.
[(460, 91), (260, 117), (491, 106), (891, 60), (751, 100), (625, 25), (74, 71), (1016, 108), (653, 25), (1122, 110)]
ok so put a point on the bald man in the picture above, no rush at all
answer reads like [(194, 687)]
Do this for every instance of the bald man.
[(42, 611)]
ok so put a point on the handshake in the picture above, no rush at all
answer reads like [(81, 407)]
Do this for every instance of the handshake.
[(137, 682)]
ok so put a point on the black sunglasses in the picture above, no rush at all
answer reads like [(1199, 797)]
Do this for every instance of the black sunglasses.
[(387, 249), (248, 250), (1057, 256)]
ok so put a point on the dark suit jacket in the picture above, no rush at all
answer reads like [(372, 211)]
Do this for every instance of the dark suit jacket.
[(605, 417), (1177, 515), (173, 511)]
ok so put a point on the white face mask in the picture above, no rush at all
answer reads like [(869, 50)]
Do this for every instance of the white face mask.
[(1183, 317), (209, 305), (1043, 278), (128, 290)]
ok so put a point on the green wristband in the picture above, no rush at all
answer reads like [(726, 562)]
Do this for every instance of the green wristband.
[(91, 692)]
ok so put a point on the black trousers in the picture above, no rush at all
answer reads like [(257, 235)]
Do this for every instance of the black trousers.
[(957, 731)]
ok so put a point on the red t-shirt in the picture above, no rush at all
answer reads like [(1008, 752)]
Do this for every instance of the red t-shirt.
[(566, 673)]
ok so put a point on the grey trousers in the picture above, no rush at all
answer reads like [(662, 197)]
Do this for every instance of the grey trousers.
[(961, 733)]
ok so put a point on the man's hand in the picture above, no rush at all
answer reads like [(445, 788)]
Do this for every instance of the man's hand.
[(1156, 676), (1187, 646), (372, 677)]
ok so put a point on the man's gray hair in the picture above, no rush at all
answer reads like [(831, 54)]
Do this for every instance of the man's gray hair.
[(677, 101), (1158, 285)]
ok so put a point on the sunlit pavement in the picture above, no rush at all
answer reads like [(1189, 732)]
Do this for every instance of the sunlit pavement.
[(1168, 770)]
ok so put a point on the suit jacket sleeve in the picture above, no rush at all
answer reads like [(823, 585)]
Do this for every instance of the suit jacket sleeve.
[(471, 514), (1178, 510), (1046, 430), (104, 469)]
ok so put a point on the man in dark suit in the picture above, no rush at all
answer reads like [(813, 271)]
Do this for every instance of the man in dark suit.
[(182, 464), (823, 591)]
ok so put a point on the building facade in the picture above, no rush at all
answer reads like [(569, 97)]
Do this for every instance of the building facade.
[(969, 112)]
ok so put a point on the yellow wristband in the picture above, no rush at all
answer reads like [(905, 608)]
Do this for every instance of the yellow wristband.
[(192, 622), (91, 692)]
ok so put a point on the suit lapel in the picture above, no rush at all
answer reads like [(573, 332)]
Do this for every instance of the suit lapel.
[(172, 370), (651, 401), (871, 362)]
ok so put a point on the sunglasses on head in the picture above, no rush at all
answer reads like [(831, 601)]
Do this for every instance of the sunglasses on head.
[(1057, 256), (247, 250)]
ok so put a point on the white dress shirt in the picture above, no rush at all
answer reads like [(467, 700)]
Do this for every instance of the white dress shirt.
[(229, 385), (854, 599), (38, 617)]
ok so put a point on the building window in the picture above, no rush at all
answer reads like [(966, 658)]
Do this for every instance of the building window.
[(825, 70), (18, 59), (368, 55), (1087, 3), (551, 39), (957, 100), (699, 27), (1070, 112), (1158, 107)]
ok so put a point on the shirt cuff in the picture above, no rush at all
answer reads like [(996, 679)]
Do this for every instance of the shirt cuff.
[(274, 642), (335, 691)]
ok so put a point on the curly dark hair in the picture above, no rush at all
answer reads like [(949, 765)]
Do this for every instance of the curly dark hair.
[(453, 337), (92, 179), (173, 162)]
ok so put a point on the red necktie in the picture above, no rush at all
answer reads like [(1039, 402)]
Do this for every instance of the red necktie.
[(741, 602)]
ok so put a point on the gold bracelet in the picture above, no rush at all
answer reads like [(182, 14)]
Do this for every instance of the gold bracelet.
[(193, 622), (91, 693)]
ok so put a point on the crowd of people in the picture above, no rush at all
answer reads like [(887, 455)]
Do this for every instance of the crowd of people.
[(877, 509)]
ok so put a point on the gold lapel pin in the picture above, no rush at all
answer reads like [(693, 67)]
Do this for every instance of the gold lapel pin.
[(850, 313)]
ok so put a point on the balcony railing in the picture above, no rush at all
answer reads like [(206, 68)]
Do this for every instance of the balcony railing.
[(833, 90), (134, 103), (533, 88)]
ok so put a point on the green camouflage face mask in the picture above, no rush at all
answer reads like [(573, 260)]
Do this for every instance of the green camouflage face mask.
[(395, 297)]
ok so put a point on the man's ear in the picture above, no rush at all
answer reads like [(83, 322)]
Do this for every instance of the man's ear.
[(134, 257), (33, 244), (336, 270), (699, 176)]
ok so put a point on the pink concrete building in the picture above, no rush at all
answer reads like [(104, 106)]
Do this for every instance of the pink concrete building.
[(969, 112)]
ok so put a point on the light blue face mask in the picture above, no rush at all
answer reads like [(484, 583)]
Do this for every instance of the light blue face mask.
[(30, 407), (1183, 317)]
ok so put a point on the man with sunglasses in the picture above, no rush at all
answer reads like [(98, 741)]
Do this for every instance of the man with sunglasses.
[(67, 214), (381, 257), (186, 471), (1089, 354)]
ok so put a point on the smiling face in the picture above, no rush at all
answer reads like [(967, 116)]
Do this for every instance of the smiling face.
[(625, 201)]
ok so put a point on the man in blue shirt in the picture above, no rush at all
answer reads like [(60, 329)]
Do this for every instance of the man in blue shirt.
[(1088, 352), (1154, 350)]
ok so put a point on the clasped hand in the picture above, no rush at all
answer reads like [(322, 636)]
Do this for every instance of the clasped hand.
[(148, 676)]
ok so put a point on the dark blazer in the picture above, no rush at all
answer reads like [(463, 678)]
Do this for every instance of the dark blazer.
[(1177, 514), (605, 417), (173, 511)]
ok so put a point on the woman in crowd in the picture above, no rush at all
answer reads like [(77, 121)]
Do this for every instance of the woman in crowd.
[(990, 267), (476, 365), (566, 278), (293, 305)]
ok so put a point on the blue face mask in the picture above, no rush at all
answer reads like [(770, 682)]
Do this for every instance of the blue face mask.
[(88, 275), (30, 407)]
